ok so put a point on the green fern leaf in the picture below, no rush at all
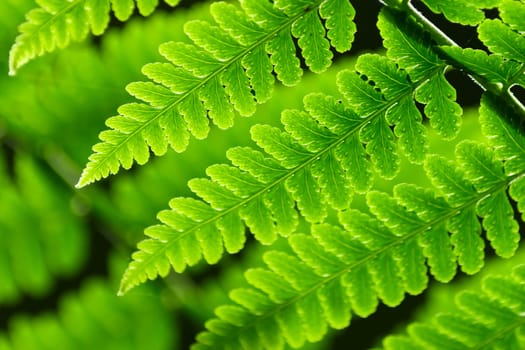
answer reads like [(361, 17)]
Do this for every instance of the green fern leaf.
[(507, 141), (411, 260), (507, 43), (380, 256), (502, 127), (451, 183), (484, 171), (319, 161), (275, 185), (435, 241), (365, 100), (383, 255), (102, 321), (412, 50), (404, 115), (489, 319), (229, 65), (35, 212), (463, 11), (339, 15), (57, 23), (350, 153), (315, 49), (494, 68)]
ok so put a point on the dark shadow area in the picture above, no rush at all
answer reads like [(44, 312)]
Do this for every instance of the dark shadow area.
[(364, 333)]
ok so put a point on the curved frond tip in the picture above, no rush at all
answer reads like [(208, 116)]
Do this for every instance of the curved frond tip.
[(57, 23), (229, 68)]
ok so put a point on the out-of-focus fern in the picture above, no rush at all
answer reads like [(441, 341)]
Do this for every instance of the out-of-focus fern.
[(227, 68), (57, 23), (94, 318), (40, 236)]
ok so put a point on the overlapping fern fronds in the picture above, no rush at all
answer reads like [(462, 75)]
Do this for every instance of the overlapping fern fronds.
[(93, 318), (504, 66), (317, 162), (36, 221), (325, 153), (227, 69), (57, 23), (490, 318), (339, 271)]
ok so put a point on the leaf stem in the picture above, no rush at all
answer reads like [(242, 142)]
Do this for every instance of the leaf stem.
[(503, 93)]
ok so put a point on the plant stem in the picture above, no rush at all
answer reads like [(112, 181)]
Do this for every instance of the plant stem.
[(441, 38)]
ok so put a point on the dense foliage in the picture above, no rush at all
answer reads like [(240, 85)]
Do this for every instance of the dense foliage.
[(361, 178)]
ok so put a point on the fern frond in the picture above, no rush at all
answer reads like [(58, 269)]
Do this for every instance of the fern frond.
[(318, 162), (94, 318), (338, 271), (463, 11), (57, 23), (408, 45), (488, 319), (227, 67), (41, 238)]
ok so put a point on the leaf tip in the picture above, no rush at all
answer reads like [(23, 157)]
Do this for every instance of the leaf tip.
[(83, 181), (13, 66), (125, 286)]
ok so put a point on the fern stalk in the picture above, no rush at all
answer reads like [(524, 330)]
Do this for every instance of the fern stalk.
[(442, 39)]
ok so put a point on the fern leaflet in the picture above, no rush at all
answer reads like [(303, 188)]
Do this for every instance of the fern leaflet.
[(93, 318), (512, 12), (228, 67), (57, 23), (507, 42), (463, 11), (405, 44)]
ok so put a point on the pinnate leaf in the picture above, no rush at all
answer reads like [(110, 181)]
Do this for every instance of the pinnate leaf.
[(227, 69)]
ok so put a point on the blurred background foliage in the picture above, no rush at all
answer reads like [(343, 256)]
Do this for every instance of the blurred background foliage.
[(62, 251)]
